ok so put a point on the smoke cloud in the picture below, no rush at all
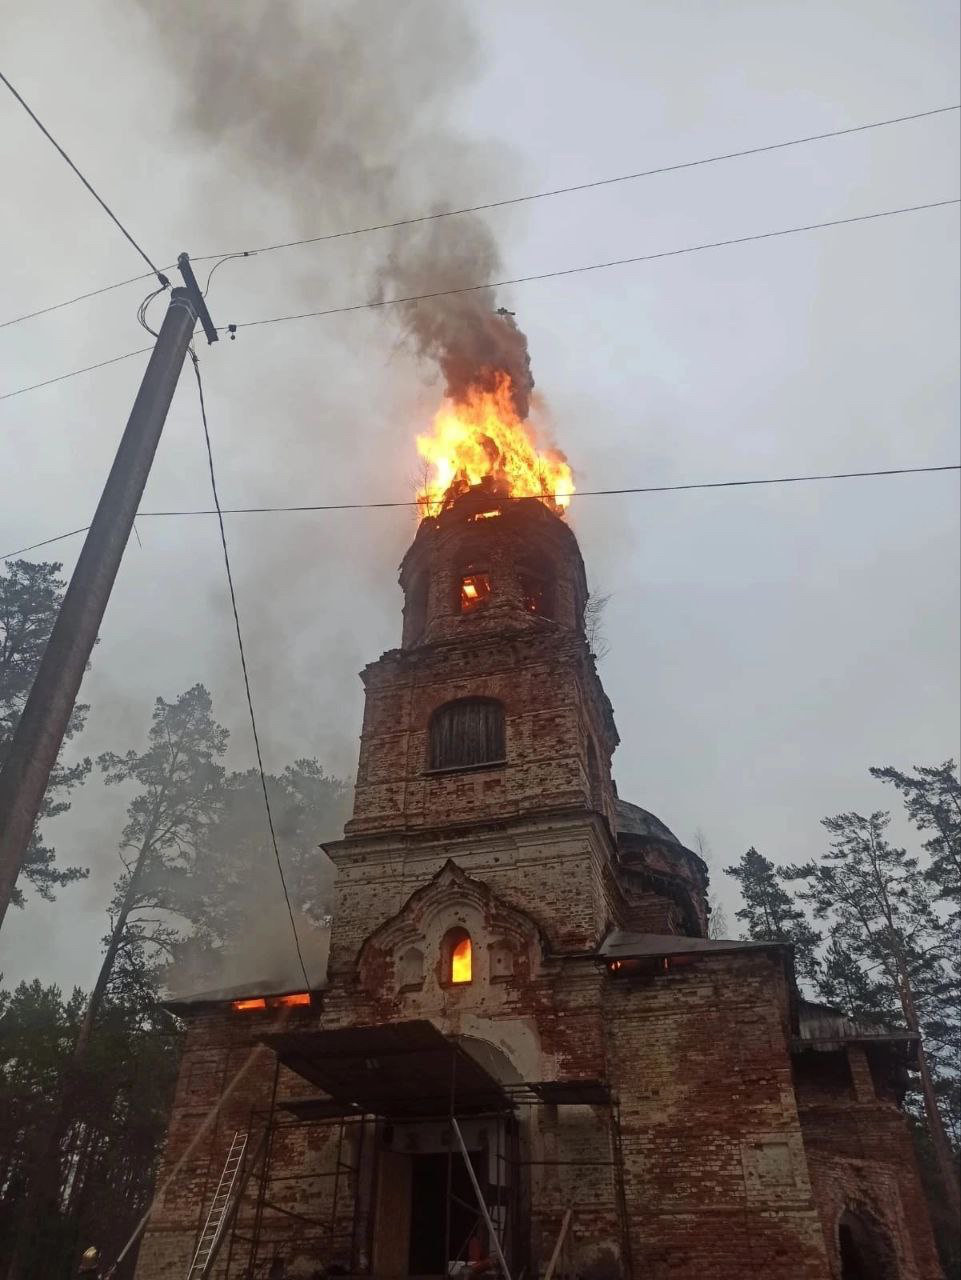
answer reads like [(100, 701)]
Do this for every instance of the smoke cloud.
[(344, 110), (470, 343)]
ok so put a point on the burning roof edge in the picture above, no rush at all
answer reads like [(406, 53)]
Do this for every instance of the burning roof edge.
[(188, 1002)]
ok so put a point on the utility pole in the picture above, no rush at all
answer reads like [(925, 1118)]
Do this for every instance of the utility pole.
[(39, 735)]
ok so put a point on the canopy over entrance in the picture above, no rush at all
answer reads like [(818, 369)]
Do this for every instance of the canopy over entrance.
[(400, 1069)]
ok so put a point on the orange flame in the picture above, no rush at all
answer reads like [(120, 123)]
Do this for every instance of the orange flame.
[(460, 961), (253, 1003), (482, 438)]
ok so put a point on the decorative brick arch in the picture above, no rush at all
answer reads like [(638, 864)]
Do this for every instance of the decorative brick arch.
[(865, 1249), (452, 900)]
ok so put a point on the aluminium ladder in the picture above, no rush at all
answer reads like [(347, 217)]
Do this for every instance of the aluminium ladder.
[(219, 1209)]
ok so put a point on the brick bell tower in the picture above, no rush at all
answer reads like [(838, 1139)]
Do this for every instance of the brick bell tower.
[(487, 736)]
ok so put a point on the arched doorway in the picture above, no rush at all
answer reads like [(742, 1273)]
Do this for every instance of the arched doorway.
[(865, 1248)]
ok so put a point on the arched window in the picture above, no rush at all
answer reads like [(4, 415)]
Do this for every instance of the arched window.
[(537, 588), (467, 733), (864, 1247), (458, 958), (410, 969)]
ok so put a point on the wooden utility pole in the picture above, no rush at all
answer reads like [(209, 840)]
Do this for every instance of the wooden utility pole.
[(39, 735)]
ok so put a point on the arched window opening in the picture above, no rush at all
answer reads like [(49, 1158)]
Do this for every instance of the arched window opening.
[(865, 1249), (537, 591), (466, 734), (410, 969), (461, 961), (474, 589)]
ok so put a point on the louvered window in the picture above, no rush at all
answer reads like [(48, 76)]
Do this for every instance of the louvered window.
[(468, 732)]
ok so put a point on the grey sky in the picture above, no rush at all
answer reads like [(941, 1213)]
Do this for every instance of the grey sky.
[(766, 646)]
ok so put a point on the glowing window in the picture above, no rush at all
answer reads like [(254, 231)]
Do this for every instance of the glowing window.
[(460, 960), (475, 589)]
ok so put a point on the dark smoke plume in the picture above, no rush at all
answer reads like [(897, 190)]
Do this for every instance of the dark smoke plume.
[(343, 108), (470, 342)]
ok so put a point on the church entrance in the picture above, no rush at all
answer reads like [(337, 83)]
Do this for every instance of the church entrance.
[(427, 1219)]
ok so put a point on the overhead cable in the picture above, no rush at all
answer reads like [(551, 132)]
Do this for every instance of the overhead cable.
[(596, 266), (511, 200), (497, 284), (583, 493), (74, 373), (96, 195), (597, 182)]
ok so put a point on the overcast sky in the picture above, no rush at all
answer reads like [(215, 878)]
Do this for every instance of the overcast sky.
[(766, 645)]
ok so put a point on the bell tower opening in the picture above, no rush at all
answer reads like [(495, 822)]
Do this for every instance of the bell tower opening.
[(474, 589)]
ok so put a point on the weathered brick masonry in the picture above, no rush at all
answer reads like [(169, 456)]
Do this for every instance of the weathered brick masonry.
[(606, 1061)]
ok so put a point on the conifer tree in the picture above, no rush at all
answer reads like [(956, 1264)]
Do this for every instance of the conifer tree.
[(888, 941), (30, 596), (770, 913), (932, 798)]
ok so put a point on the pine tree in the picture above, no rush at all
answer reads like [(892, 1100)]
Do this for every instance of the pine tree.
[(30, 597), (770, 913), (233, 892), (880, 910), (181, 791), (932, 797), (179, 782), (112, 1133)]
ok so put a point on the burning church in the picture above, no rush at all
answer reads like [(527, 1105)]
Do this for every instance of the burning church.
[(528, 1057)]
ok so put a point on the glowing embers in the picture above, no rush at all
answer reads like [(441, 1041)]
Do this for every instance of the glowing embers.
[(475, 590), (461, 961), (254, 1003), (483, 515)]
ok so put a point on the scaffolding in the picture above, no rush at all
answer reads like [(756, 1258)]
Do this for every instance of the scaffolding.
[(314, 1172)]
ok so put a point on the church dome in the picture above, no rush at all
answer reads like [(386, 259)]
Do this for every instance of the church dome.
[(651, 856), (634, 821)]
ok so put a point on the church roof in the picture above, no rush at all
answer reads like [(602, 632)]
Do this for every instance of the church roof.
[(821, 1023), (623, 943), (635, 821)]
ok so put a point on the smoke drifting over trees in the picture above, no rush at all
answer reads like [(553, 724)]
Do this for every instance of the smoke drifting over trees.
[(348, 118)]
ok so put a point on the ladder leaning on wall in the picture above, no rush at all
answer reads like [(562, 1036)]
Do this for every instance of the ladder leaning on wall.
[(219, 1209)]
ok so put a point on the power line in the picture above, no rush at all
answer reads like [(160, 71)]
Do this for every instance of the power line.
[(583, 493), (243, 664), (597, 182), (511, 200), (598, 266), (497, 284), (99, 199), (74, 373), (81, 297)]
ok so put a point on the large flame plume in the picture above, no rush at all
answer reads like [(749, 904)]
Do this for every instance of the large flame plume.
[(480, 438)]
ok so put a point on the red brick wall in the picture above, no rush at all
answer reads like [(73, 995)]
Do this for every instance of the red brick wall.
[(552, 701), (714, 1169), (861, 1158)]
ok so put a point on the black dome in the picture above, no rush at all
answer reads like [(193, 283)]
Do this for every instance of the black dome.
[(635, 821)]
